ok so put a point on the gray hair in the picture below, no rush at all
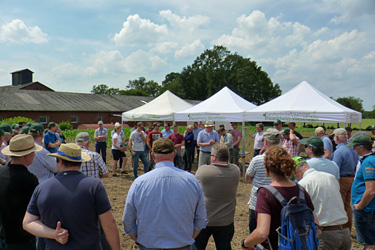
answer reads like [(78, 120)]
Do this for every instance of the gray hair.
[(221, 151)]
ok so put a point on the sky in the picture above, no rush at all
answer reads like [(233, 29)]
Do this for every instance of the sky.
[(72, 45)]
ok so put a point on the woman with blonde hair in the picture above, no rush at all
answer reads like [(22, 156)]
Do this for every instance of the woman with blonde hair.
[(117, 150)]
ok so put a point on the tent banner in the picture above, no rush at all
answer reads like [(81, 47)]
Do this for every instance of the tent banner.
[(290, 116), (208, 116)]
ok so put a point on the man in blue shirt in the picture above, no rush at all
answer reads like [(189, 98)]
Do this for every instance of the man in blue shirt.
[(346, 159), (207, 138), (165, 207), (51, 142), (363, 192), (167, 130)]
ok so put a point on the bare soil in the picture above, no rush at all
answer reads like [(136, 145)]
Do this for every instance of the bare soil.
[(117, 189)]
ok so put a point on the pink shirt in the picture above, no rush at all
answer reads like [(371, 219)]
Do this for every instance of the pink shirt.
[(235, 134)]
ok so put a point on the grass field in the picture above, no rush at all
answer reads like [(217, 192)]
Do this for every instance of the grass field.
[(364, 125)]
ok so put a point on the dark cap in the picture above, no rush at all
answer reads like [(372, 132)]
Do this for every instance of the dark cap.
[(372, 127), (6, 127), (314, 142), (51, 124), (163, 146), (278, 122), (2, 132), (36, 127), (360, 140), (25, 130), (286, 132)]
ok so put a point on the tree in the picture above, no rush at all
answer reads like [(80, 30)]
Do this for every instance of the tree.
[(351, 102), (217, 68), (104, 89), (149, 88)]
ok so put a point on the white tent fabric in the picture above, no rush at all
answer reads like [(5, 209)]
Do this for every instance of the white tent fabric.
[(303, 103), (225, 105), (161, 108)]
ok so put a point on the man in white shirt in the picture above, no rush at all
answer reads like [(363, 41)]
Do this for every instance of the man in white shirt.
[(324, 191)]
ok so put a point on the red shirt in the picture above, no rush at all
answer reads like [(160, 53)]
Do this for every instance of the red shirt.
[(177, 139), (153, 136), (267, 204)]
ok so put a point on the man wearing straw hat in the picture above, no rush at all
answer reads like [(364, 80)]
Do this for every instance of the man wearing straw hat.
[(16, 187), (73, 203)]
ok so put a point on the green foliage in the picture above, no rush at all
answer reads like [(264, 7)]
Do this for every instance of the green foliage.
[(351, 102), (104, 89), (16, 119), (65, 125), (217, 68), (149, 88)]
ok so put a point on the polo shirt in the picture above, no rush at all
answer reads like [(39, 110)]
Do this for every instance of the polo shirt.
[(324, 165), (205, 137), (50, 138), (346, 159)]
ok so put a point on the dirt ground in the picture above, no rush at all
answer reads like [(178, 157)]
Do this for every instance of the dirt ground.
[(117, 189)]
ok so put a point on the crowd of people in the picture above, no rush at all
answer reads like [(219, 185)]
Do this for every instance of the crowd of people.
[(51, 195)]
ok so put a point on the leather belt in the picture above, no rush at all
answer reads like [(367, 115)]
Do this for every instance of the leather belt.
[(337, 227), (347, 175), (206, 152)]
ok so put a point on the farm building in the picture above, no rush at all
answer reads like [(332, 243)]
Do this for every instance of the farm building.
[(42, 104)]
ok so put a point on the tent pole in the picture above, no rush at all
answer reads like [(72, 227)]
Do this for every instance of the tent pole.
[(243, 149)]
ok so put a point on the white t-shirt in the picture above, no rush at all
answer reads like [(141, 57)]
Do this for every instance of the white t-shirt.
[(119, 139), (137, 140)]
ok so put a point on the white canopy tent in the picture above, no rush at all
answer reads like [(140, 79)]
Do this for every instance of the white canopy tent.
[(225, 105), (161, 108), (303, 103)]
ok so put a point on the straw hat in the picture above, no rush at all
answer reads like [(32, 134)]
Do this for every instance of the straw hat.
[(21, 145), (209, 124), (71, 152)]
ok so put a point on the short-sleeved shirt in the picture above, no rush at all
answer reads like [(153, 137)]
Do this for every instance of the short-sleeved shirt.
[(346, 159), (43, 166), (95, 167), (257, 171), (324, 165), (166, 133), (137, 140), (267, 204), (327, 143), (205, 137), (258, 141), (16, 187), (50, 138), (365, 173), (292, 147), (153, 136), (219, 184), (77, 201), (100, 132), (177, 139), (118, 142), (235, 134)]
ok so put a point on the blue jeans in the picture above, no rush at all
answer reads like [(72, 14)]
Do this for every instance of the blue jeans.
[(178, 160), (189, 156), (40, 243), (143, 156), (222, 237), (102, 146), (364, 223), (252, 221), (145, 248)]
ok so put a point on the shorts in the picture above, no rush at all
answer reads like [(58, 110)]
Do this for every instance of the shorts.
[(364, 226), (117, 154)]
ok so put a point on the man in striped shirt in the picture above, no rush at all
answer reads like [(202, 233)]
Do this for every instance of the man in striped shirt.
[(256, 172), (95, 167)]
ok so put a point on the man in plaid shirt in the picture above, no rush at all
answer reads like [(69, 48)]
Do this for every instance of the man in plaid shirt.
[(291, 142), (95, 167)]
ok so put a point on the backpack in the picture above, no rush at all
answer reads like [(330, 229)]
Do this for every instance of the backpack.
[(297, 230)]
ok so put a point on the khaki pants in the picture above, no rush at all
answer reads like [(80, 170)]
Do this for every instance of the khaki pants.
[(335, 240), (345, 190)]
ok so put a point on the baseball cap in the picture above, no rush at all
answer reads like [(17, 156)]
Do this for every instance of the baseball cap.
[(163, 146), (50, 125), (100, 122), (360, 140), (2, 132), (372, 127), (271, 134), (83, 137), (36, 127), (299, 160), (314, 142), (286, 132), (6, 127), (340, 131), (319, 130), (277, 122)]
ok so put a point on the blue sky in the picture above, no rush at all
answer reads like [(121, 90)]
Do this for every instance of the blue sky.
[(71, 45)]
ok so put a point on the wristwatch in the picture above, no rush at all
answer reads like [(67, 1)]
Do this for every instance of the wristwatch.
[(243, 244)]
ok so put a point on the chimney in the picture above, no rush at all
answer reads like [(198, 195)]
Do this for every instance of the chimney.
[(22, 77)]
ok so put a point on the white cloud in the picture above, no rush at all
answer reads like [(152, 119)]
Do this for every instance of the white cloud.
[(142, 62), (185, 24), (193, 49), (138, 31), (350, 10), (17, 32), (165, 47)]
